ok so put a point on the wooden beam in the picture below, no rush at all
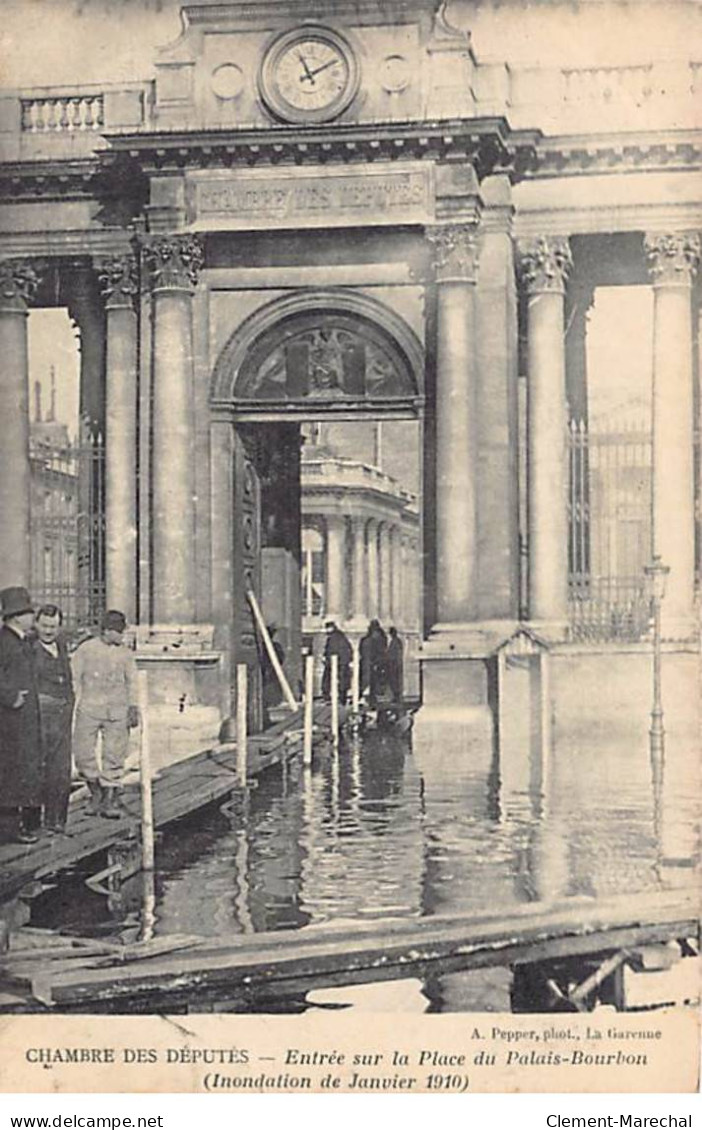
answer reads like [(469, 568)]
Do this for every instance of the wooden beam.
[(390, 949)]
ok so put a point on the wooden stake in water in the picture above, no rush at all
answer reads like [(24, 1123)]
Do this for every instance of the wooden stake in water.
[(242, 751), (147, 808), (356, 680), (268, 644), (335, 699), (309, 707)]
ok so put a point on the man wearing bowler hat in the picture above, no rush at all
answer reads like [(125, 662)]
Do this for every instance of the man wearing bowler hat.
[(21, 757), (104, 680)]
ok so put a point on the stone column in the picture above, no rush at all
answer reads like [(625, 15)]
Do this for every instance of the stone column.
[(497, 410), (336, 560), (119, 287), (456, 455), (384, 568), (673, 260), (545, 264), (18, 282), (358, 568), (175, 262), (395, 574), (404, 613), (372, 594)]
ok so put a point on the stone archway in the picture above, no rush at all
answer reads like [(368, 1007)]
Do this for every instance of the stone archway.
[(317, 351), (332, 354)]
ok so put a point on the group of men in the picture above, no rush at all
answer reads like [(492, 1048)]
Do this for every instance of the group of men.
[(381, 663), (53, 708)]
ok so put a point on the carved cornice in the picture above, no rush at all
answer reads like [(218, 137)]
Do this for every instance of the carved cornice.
[(175, 261), (578, 155), (54, 179), (545, 263), (118, 281), (487, 143), (456, 252), (672, 258), (18, 283)]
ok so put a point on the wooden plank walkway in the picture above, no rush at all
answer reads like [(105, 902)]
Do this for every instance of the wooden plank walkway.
[(289, 963), (178, 789)]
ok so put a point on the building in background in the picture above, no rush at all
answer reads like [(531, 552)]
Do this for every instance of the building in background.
[(361, 557)]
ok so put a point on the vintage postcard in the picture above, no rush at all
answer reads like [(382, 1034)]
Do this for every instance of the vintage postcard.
[(350, 547)]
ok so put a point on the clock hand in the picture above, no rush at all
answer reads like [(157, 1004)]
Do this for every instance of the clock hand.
[(317, 70), (308, 72)]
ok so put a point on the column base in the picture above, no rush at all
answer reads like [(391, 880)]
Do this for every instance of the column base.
[(185, 673), (456, 714), (550, 631)]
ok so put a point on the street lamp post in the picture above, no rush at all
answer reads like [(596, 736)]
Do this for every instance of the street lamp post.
[(656, 574)]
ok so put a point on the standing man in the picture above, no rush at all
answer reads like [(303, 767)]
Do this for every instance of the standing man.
[(373, 654), (337, 644), (55, 688), (104, 677), (21, 758), (395, 666)]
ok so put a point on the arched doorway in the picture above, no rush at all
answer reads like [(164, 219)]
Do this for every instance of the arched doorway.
[(307, 362)]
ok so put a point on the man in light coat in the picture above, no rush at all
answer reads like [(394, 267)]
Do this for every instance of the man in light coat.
[(104, 679)]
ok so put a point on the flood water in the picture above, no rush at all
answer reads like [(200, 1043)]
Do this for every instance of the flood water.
[(384, 830)]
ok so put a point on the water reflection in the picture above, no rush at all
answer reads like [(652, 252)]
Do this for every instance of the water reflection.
[(376, 830)]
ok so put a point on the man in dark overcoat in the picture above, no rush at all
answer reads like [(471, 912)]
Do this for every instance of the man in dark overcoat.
[(373, 654), (336, 644), (55, 688), (394, 665), (21, 757)]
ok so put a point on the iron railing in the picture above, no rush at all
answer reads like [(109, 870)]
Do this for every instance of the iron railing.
[(67, 525), (609, 533)]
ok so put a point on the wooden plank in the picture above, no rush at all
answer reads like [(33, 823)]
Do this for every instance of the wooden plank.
[(403, 945)]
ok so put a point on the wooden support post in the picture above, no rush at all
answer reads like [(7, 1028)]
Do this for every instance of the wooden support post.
[(356, 680), (268, 644), (500, 692), (242, 750), (545, 709), (147, 808), (148, 906), (335, 699), (309, 708)]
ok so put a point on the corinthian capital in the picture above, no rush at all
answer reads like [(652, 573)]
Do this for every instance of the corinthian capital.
[(175, 261), (672, 258), (118, 280), (455, 252), (18, 283), (545, 263)]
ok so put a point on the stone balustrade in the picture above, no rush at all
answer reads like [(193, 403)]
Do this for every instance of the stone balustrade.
[(65, 113), (329, 472)]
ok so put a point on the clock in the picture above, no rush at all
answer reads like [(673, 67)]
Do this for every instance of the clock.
[(309, 75)]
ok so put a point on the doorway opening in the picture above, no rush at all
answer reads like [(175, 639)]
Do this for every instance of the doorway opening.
[(325, 406)]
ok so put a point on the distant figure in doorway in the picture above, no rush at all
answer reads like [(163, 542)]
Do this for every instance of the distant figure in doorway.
[(394, 665), (104, 677), (21, 755), (336, 644), (373, 654), (55, 688), (272, 690)]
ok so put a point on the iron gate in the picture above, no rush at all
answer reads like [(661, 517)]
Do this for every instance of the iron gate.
[(609, 533), (67, 524)]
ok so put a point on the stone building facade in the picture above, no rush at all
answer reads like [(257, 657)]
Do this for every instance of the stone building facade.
[(356, 211)]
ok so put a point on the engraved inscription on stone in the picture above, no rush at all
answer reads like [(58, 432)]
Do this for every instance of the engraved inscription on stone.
[(388, 198)]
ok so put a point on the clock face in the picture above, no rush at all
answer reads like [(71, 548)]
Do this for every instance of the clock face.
[(309, 76)]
